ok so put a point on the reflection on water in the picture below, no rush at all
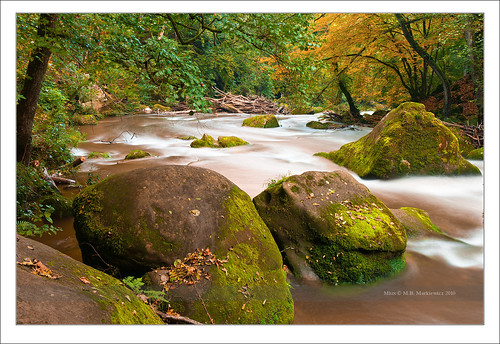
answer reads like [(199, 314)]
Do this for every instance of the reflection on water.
[(452, 271)]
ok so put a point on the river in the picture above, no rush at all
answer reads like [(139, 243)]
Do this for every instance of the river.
[(443, 281)]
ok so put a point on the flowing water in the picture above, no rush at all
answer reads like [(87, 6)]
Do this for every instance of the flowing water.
[(443, 281)]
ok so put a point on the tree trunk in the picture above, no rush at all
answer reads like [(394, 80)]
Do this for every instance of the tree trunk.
[(428, 59), (475, 74), (353, 110), (30, 93)]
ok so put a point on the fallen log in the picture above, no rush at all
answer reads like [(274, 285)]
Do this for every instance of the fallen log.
[(74, 163), (474, 132)]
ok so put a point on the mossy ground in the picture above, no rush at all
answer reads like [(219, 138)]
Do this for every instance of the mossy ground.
[(407, 141), (261, 121), (137, 154)]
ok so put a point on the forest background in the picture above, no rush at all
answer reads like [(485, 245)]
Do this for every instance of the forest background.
[(308, 62)]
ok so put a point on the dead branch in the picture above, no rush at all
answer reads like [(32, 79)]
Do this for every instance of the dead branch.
[(176, 319), (235, 103)]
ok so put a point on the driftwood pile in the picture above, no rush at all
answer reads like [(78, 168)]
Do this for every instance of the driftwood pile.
[(475, 133), (232, 103)]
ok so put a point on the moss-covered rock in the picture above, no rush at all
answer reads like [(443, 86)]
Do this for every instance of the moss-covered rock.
[(205, 141), (230, 141), (329, 222), (99, 155), (476, 154), (161, 108), (261, 121), (416, 222), (137, 154), (188, 138), (84, 120), (148, 218), (321, 125), (406, 141), (72, 292)]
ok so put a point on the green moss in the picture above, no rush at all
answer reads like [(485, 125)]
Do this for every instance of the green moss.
[(339, 266), (205, 141), (161, 108), (476, 154), (253, 273), (230, 141), (423, 218), (320, 125), (98, 155), (121, 303), (261, 121), (407, 141), (188, 138), (137, 154)]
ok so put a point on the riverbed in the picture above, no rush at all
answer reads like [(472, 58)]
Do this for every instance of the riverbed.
[(443, 280)]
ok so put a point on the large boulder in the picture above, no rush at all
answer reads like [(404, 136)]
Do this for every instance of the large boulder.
[(261, 121), (408, 140), (150, 218), (331, 226), (53, 288)]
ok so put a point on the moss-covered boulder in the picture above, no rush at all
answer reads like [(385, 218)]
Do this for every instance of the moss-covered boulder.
[(476, 154), (321, 125), (99, 155), (261, 121), (406, 141), (330, 223), (53, 288), (148, 218), (137, 154), (230, 141), (161, 108), (205, 141), (416, 222)]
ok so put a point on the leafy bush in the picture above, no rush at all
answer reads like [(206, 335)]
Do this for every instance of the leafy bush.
[(30, 187), (53, 137)]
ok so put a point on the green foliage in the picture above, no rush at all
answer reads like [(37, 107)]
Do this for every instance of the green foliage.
[(137, 154), (30, 187), (154, 297), (53, 137)]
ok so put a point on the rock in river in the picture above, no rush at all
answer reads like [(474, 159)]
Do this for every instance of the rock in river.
[(331, 226), (148, 218), (261, 121), (408, 140), (53, 288)]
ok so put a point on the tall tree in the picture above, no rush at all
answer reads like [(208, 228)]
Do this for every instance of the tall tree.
[(32, 85), (428, 59)]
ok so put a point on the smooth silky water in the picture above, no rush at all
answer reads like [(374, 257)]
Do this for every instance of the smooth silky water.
[(443, 280)]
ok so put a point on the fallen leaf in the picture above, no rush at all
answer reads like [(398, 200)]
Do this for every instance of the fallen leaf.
[(243, 307), (128, 298), (195, 212), (134, 312), (264, 302), (30, 247), (84, 280)]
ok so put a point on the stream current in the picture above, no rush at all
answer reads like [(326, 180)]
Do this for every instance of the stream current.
[(443, 280)]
